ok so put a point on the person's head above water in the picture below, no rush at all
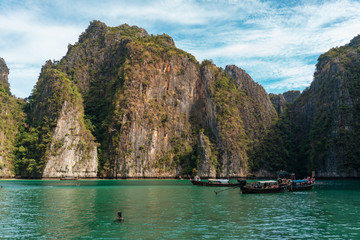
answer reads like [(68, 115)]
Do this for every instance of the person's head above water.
[(120, 216)]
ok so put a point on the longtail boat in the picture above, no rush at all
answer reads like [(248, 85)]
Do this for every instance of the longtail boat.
[(302, 185), (269, 186)]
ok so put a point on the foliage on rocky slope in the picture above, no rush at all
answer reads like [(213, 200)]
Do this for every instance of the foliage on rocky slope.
[(141, 97), (123, 103), (320, 130), (238, 113), (11, 115), (53, 97)]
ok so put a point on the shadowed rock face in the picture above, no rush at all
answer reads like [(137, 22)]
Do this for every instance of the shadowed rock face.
[(259, 109), (281, 100), (320, 129), (207, 168), (330, 109), (4, 169), (291, 96), (11, 116)]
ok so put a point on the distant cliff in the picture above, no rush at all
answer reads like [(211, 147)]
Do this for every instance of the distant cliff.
[(11, 115), (330, 110), (281, 100), (320, 130)]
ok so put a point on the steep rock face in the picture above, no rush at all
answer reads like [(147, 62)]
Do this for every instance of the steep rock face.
[(11, 116), (69, 155), (146, 101), (207, 162), (281, 100), (331, 105), (320, 130), (291, 96), (220, 115), (159, 98), (55, 141), (258, 112), (237, 112), (138, 94)]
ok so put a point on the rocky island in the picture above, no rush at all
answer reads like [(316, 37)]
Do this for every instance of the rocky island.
[(126, 104)]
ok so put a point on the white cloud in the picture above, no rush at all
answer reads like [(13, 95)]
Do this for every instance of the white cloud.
[(30, 75), (277, 44), (183, 12), (26, 44), (295, 36)]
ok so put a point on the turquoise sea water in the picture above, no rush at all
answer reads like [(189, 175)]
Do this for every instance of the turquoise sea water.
[(174, 209)]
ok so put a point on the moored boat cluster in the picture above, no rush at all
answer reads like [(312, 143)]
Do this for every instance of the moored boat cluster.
[(269, 186)]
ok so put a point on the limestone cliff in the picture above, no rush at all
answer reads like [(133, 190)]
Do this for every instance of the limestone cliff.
[(146, 102), (236, 111), (331, 108), (320, 129), (72, 152), (208, 159), (153, 109), (281, 100), (257, 110), (10, 117), (55, 141), (122, 103)]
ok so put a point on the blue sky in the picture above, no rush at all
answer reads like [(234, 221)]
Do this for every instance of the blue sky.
[(276, 42)]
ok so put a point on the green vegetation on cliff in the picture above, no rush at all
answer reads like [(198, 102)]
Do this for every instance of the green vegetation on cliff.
[(156, 112), (228, 100), (11, 115), (115, 69), (340, 68), (53, 93), (320, 130)]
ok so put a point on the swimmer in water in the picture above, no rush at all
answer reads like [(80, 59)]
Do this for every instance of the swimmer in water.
[(119, 217)]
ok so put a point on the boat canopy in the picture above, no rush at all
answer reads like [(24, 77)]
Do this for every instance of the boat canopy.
[(219, 180), (268, 181), (300, 181)]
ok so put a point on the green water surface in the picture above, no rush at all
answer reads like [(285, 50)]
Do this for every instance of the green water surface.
[(174, 209)]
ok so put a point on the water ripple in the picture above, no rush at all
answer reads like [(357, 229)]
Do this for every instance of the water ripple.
[(170, 209)]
